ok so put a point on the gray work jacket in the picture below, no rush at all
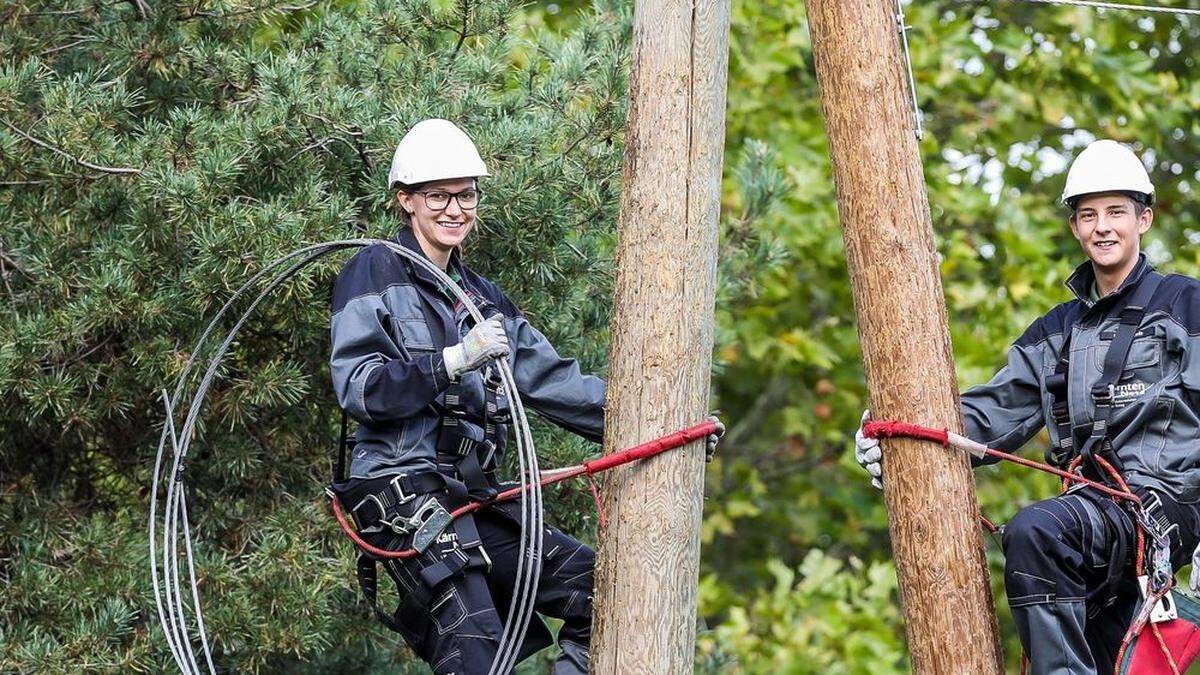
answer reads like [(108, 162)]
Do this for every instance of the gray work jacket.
[(1154, 425), (391, 320)]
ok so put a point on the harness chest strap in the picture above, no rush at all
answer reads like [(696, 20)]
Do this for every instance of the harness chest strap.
[(1057, 385)]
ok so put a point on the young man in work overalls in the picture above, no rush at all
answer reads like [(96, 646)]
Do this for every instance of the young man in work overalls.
[(1114, 374), (411, 366)]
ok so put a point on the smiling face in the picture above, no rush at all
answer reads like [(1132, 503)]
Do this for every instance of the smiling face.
[(1109, 227), (439, 231)]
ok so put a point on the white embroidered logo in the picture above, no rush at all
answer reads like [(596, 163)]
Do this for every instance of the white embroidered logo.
[(1123, 394)]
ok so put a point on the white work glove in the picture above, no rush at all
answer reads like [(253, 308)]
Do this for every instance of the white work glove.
[(710, 443), (483, 343), (868, 453)]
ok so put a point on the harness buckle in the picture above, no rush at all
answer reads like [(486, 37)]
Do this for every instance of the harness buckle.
[(425, 514), (1151, 519), (402, 497), (1104, 394), (1060, 413), (430, 520)]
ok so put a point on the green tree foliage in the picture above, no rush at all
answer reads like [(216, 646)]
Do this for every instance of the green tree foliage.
[(1009, 92), (154, 157)]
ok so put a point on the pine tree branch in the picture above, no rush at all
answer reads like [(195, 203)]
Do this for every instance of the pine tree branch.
[(4, 275), (8, 260), (462, 34), (195, 13), (79, 356), (64, 153), (81, 40), (142, 8)]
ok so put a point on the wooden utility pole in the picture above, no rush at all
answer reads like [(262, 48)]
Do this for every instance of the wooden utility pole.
[(893, 264), (662, 336)]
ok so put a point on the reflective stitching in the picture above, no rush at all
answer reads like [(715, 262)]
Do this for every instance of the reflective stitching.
[(440, 601), (461, 634), (570, 579), (456, 654), (1041, 599), (1086, 531), (1032, 576), (391, 565), (462, 617), (1051, 514), (567, 560)]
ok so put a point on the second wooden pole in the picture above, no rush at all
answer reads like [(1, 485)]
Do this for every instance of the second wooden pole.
[(901, 313)]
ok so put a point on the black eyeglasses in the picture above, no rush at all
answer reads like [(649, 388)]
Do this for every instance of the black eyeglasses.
[(438, 200)]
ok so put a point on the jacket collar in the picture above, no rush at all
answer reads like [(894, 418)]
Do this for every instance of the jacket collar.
[(406, 238), (1084, 277)]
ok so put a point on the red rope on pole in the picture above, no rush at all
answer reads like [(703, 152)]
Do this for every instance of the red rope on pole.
[(894, 429), (599, 504), (639, 452)]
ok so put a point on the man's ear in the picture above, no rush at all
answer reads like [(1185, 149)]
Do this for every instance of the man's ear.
[(1145, 220), (1073, 221)]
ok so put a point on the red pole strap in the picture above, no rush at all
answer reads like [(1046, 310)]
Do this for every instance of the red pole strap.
[(636, 453), (893, 429), (651, 448)]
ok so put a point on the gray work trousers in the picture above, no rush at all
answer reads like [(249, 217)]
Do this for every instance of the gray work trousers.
[(1069, 577)]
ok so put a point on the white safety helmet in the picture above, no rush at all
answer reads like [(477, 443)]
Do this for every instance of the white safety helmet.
[(1107, 166), (434, 149)]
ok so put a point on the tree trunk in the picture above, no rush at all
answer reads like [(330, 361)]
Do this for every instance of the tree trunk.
[(662, 336), (893, 265)]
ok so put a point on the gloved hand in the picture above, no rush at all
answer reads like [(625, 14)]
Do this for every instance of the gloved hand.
[(710, 443), (868, 453), (484, 342), (1194, 581)]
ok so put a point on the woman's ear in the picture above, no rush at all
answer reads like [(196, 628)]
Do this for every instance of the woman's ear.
[(404, 201)]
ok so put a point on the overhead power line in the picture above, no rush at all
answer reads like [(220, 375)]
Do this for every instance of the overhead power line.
[(1095, 4)]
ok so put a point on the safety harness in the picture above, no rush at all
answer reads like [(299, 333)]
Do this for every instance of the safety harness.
[(1095, 433), (1096, 442), (469, 446), (406, 510)]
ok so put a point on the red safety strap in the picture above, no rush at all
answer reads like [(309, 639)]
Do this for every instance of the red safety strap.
[(637, 453)]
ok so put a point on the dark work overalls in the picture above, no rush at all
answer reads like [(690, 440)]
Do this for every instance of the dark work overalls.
[(425, 445), (1113, 377)]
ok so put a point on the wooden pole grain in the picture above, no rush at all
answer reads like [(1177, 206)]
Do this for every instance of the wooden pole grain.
[(893, 264), (662, 336)]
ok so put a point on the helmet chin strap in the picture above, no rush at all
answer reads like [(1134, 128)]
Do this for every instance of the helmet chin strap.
[(169, 528)]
